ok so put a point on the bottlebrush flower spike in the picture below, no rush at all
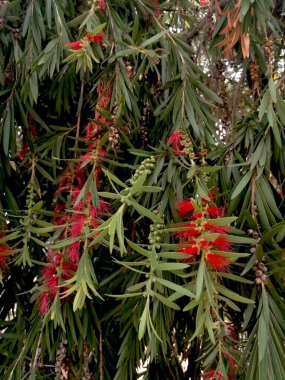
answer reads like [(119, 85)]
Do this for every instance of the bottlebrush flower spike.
[(185, 208), (222, 244), (197, 215), (95, 38), (76, 45), (78, 221), (155, 4), (175, 141), (215, 212), (216, 229), (188, 233), (191, 250), (44, 302), (204, 3), (204, 244), (73, 252), (217, 262), (101, 6)]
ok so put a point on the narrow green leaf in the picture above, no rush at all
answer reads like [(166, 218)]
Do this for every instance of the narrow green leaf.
[(177, 288), (242, 184), (143, 321)]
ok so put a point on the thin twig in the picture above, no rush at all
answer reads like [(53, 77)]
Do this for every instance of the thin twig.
[(101, 356)]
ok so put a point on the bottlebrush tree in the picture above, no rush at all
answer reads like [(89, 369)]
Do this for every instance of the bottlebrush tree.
[(142, 180)]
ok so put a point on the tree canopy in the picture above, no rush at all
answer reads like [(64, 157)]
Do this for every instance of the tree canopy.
[(142, 188)]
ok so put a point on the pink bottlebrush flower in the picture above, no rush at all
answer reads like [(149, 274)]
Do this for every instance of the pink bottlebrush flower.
[(48, 272), (191, 250), (156, 12), (78, 221), (101, 6), (215, 212), (95, 38), (216, 229), (204, 3), (54, 257), (73, 252), (175, 141), (185, 208), (76, 45), (104, 90), (212, 374), (60, 217), (5, 250), (51, 280), (222, 244), (44, 302), (67, 270), (217, 262), (71, 179)]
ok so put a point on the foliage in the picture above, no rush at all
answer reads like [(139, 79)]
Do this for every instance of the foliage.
[(141, 179)]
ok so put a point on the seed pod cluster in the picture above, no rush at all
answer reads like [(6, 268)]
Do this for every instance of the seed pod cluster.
[(61, 367), (255, 236), (267, 50), (144, 124), (86, 374), (253, 71), (187, 144), (260, 273), (143, 134), (113, 137), (145, 167), (155, 235)]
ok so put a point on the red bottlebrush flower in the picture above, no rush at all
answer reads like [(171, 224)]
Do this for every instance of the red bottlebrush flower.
[(44, 302), (205, 200), (95, 38), (223, 244), (212, 374), (187, 234), (191, 250), (197, 215), (203, 244), (231, 362), (231, 330), (212, 194), (215, 212), (175, 141), (217, 262), (76, 45), (73, 252), (191, 231), (216, 229), (184, 208)]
